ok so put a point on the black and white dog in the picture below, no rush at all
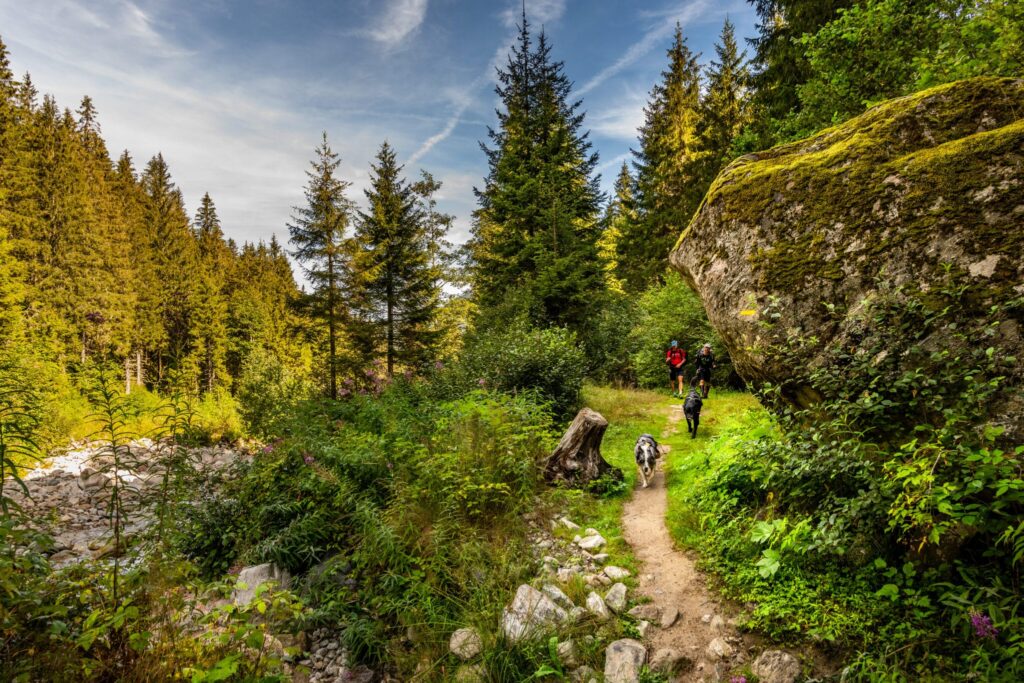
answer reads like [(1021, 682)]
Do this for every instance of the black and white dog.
[(691, 409), (646, 452)]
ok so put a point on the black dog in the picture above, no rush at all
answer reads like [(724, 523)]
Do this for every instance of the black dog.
[(691, 409), (646, 453)]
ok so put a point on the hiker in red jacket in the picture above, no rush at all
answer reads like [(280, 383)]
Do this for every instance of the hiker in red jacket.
[(675, 358)]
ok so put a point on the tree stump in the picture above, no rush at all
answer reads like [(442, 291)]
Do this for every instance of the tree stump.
[(577, 460)]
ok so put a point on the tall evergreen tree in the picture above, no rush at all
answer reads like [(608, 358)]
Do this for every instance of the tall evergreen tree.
[(620, 216), (669, 182), (174, 262), (318, 240), (780, 66), (209, 324), (725, 108), (535, 232), (397, 291)]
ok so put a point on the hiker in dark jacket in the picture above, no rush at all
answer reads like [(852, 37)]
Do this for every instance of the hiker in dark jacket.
[(675, 358), (705, 362)]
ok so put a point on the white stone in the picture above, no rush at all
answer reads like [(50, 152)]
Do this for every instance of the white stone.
[(590, 531), (642, 627), (600, 558), (669, 616), (615, 598), (776, 666), (623, 661), (250, 578), (616, 573), (465, 643), (596, 606), (567, 654), (591, 542), (717, 623), (530, 614), (569, 524), (556, 594), (719, 649), (648, 612)]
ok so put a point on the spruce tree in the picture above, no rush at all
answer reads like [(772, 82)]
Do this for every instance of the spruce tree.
[(318, 240), (534, 244), (209, 317), (620, 216), (669, 182), (174, 262), (725, 110), (397, 292), (780, 67)]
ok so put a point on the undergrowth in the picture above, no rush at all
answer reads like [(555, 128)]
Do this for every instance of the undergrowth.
[(895, 548)]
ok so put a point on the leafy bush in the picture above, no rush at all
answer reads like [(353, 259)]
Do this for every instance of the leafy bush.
[(888, 517), (266, 391), (403, 510), (519, 358)]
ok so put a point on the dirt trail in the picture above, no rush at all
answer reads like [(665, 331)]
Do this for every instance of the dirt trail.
[(670, 579)]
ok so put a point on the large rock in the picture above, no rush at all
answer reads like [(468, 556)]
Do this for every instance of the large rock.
[(531, 614), (776, 666), (250, 578), (623, 660), (794, 243)]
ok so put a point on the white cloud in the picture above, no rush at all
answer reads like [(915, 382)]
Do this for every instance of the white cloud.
[(664, 28), (399, 19), (537, 12), (621, 119)]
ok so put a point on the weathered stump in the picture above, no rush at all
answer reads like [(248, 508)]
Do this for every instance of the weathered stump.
[(577, 459)]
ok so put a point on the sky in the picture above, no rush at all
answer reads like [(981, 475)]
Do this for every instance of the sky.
[(235, 93)]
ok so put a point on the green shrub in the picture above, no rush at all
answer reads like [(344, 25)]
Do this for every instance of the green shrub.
[(266, 390), (519, 358), (404, 511), (889, 517)]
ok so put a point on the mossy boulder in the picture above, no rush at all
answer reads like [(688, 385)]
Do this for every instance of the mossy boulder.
[(791, 242)]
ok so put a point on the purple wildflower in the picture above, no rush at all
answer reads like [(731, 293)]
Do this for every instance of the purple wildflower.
[(390, 466), (982, 624), (308, 459), (482, 382), (268, 449), (438, 365), (738, 679)]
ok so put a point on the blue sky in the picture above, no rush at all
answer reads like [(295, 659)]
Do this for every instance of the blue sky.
[(235, 93)]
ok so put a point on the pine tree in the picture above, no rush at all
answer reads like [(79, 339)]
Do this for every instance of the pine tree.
[(620, 216), (318, 240), (669, 182), (535, 233), (779, 61), (725, 110), (209, 317), (174, 261), (397, 290)]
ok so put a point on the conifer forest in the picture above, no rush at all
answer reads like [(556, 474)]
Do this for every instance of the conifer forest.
[(736, 398)]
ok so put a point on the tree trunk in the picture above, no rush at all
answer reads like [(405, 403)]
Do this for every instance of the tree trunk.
[(391, 328), (577, 459), (127, 375), (330, 329)]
